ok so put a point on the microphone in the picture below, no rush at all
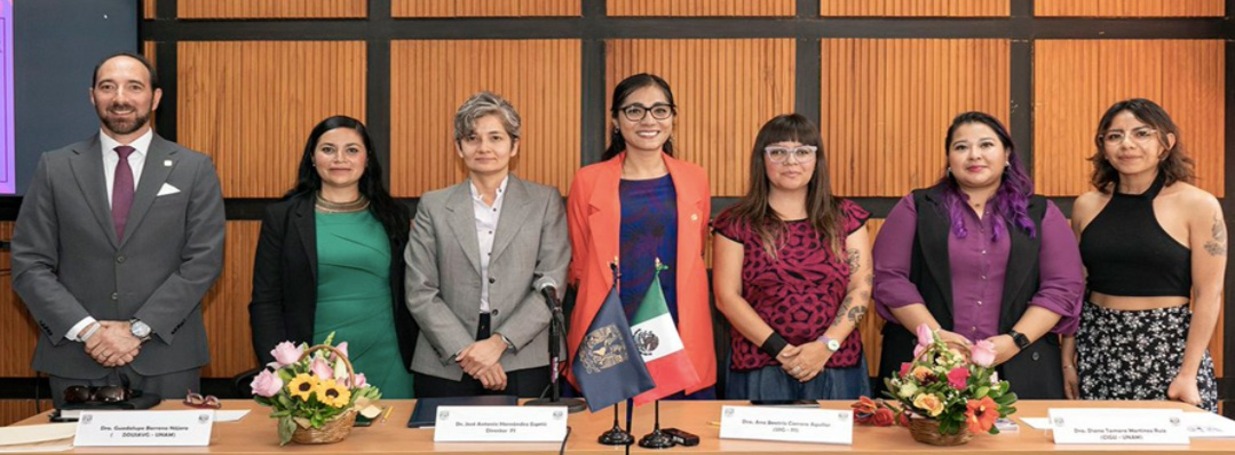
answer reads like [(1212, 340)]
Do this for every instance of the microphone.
[(548, 287)]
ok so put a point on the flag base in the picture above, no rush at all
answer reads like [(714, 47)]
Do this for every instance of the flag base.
[(616, 436), (656, 440)]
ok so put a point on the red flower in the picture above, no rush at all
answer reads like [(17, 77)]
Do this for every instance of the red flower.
[(863, 410), (884, 417), (981, 414), (902, 419), (958, 378), (905, 368)]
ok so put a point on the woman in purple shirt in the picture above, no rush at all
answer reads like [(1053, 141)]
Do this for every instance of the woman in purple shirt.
[(978, 256)]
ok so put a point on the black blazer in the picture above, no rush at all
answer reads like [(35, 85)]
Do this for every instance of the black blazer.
[(285, 281), (1035, 372)]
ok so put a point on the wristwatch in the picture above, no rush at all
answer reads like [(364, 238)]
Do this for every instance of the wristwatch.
[(1019, 338), (832, 345), (139, 329)]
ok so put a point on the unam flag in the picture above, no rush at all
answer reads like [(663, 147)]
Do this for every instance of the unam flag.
[(607, 365), (659, 344)]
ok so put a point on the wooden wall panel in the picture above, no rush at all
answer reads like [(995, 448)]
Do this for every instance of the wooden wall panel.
[(872, 326), (701, 8), (887, 105), (484, 8), (1130, 8), (430, 79), (12, 411), (1077, 80), (148, 9), (226, 307), (914, 8), (271, 9), (251, 104), (19, 329), (725, 91)]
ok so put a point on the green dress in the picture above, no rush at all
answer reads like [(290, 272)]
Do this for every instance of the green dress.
[(353, 298)]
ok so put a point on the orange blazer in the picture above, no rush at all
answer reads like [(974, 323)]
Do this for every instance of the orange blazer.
[(594, 216)]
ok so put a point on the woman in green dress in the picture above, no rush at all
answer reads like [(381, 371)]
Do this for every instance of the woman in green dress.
[(328, 261)]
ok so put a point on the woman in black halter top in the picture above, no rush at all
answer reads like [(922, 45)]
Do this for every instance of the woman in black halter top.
[(1151, 243)]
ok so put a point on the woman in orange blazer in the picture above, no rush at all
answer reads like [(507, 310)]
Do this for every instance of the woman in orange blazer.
[(637, 205)]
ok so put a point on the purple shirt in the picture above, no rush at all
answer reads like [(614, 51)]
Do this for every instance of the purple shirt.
[(978, 267)]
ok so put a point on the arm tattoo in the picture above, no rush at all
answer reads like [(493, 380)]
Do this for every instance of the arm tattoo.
[(845, 307), (855, 258), (1217, 246), (856, 314)]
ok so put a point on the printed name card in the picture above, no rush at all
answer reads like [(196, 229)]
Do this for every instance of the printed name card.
[(828, 426), (500, 424), (1118, 426), (144, 428)]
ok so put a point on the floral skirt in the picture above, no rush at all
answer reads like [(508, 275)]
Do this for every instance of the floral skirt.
[(1134, 355)]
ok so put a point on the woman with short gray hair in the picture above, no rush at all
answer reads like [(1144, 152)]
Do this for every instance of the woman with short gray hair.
[(477, 250)]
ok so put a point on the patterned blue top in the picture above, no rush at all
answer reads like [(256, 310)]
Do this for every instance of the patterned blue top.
[(649, 231)]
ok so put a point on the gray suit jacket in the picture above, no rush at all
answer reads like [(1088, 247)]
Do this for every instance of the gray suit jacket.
[(67, 263), (443, 274)]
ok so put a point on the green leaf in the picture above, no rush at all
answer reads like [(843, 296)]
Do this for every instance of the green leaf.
[(994, 430), (287, 426), (982, 391)]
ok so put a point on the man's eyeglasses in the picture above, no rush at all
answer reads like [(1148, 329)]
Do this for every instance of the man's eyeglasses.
[(203, 402), (78, 394), (636, 112), (801, 154), (1115, 137)]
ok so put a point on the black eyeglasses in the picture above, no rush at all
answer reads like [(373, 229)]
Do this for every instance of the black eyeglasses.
[(77, 394), (636, 112)]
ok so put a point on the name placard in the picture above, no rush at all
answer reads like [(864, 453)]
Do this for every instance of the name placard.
[(500, 424), (828, 426), (144, 428), (1118, 426)]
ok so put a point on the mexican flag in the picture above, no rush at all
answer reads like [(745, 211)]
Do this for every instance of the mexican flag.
[(660, 345)]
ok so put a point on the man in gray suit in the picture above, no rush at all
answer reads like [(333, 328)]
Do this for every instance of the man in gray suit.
[(478, 255), (118, 239)]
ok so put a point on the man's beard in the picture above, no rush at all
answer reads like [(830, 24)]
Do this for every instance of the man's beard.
[(123, 126)]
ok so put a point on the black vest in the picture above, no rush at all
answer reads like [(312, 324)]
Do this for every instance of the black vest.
[(1035, 372)]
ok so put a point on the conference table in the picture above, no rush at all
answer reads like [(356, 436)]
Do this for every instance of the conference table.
[(256, 434)]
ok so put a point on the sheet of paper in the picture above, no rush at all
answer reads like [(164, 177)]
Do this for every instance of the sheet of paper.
[(230, 415), (28, 434), (1038, 423)]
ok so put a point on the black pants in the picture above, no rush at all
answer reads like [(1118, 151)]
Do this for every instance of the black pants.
[(525, 383)]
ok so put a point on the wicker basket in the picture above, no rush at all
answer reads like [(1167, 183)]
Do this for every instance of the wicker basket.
[(926, 431), (336, 429)]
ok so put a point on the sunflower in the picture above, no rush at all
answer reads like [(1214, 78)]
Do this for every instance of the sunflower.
[(333, 394), (302, 386)]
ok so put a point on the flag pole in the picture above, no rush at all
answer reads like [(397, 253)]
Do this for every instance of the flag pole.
[(656, 439), (616, 436)]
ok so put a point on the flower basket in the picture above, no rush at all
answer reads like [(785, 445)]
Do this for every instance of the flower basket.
[(926, 431), (314, 392), (334, 430)]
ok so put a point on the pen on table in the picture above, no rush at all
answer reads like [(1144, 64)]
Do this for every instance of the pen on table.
[(386, 414)]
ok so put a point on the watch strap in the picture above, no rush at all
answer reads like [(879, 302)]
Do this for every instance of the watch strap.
[(1020, 339)]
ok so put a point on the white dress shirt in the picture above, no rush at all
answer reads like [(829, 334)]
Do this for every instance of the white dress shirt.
[(486, 226)]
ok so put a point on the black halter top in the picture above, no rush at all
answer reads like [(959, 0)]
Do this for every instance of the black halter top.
[(1127, 253)]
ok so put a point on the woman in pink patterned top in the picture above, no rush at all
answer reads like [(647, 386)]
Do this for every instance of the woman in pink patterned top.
[(792, 273)]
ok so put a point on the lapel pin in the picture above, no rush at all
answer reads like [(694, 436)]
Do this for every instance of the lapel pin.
[(167, 163)]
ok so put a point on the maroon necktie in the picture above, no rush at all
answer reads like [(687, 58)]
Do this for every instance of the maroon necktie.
[(122, 191)]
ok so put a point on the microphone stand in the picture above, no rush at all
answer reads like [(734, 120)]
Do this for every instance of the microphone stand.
[(557, 325)]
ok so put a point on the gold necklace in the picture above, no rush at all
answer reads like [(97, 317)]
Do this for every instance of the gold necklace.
[(326, 206)]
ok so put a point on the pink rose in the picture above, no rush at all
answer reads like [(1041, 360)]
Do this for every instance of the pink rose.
[(925, 335), (322, 369), (342, 347), (983, 353), (918, 350), (266, 384), (358, 381), (958, 378), (905, 368), (286, 353)]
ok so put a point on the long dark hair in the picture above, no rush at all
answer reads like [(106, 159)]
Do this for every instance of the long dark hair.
[(393, 215), (1176, 163), (822, 207), (1011, 200), (629, 85)]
